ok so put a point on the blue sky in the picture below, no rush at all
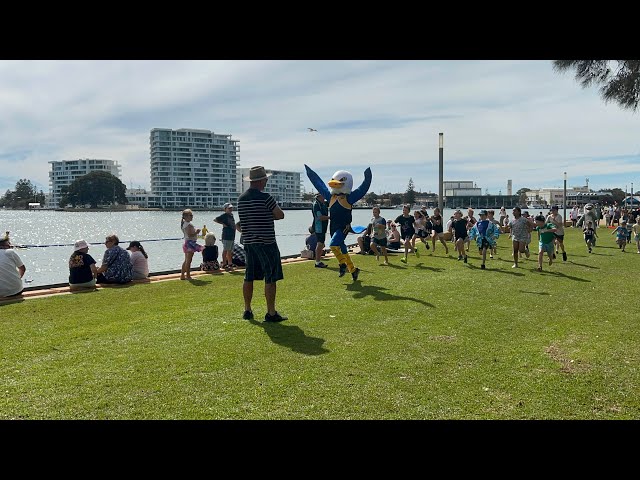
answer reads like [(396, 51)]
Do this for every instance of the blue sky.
[(501, 120)]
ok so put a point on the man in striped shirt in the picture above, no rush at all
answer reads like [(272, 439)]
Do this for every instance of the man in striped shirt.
[(257, 211)]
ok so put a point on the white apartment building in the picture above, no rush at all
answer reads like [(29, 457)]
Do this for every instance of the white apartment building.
[(66, 171), (192, 168), (552, 196), (284, 187)]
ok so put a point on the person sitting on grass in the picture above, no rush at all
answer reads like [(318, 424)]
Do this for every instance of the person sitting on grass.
[(393, 240), (139, 260), (11, 269), (364, 241), (82, 267), (210, 254), (116, 265)]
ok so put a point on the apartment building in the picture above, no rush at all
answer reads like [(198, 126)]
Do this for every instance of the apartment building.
[(284, 187), (64, 172), (192, 168)]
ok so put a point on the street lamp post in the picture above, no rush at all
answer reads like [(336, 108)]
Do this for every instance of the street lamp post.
[(564, 198), (441, 177)]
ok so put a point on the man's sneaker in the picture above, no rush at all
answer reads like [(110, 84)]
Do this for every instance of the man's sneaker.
[(426, 245), (482, 266), (514, 265), (417, 253), (274, 318), (343, 270), (465, 259), (385, 263), (490, 256), (590, 250), (564, 256), (459, 257), (355, 274), (403, 259), (247, 315), (321, 265)]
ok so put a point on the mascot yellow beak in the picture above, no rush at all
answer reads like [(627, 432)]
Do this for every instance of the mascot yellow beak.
[(335, 183)]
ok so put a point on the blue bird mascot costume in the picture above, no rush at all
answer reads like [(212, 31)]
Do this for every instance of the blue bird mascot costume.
[(341, 200)]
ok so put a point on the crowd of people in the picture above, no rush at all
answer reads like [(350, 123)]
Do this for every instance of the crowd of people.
[(261, 258)]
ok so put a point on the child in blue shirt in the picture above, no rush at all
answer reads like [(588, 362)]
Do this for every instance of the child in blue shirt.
[(621, 237)]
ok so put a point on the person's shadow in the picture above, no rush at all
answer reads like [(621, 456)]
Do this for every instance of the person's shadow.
[(377, 293), (292, 336)]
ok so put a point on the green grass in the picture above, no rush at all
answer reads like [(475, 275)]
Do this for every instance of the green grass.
[(435, 339)]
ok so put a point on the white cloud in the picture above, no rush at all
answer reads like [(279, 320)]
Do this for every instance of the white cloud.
[(502, 120)]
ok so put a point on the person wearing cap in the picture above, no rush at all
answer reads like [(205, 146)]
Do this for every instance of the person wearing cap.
[(555, 218), (320, 210), (139, 260), (257, 211), (11, 269), (228, 235), (82, 267)]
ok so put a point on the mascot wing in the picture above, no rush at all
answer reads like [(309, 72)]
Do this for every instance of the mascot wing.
[(317, 182), (362, 190)]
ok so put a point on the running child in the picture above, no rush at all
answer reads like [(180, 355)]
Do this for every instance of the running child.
[(438, 230), (589, 233), (407, 230), (460, 233), (621, 235), (379, 237), (546, 232), (421, 230), (485, 233)]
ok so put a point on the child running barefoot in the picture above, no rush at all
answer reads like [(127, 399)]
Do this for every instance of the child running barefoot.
[(589, 233), (546, 233), (406, 222), (621, 237), (190, 245), (421, 231)]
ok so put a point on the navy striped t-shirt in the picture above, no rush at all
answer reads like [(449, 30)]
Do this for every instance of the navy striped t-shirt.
[(255, 210)]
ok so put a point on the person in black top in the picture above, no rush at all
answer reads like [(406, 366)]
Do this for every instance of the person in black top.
[(438, 230), (407, 230), (82, 267), (210, 254), (459, 229)]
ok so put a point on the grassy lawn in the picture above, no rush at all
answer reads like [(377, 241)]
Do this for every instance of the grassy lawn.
[(434, 339)]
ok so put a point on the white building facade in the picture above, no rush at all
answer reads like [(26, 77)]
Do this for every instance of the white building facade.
[(460, 189), (192, 168), (64, 172), (284, 187)]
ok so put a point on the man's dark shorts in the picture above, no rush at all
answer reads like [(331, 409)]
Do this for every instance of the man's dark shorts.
[(407, 234), (381, 242), (263, 262), (559, 237), (321, 237)]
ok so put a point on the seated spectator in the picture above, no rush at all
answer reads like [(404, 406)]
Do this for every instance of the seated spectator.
[(82, 267), (210, 254), (139, 260), (11, 269), (116, 265), (311, 241), (364, 241), (393, 237), (239, 257)]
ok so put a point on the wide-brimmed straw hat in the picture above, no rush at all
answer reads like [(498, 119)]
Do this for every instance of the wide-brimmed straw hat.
[(79, 245), (257, 173)]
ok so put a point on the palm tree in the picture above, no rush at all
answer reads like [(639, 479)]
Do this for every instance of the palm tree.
[(622, 87)]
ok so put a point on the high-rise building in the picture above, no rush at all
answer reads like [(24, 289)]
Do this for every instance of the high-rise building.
[(66, 171), (509, 187), (284, 187), (192, 168)]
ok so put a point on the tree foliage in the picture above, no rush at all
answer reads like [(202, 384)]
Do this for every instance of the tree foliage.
[(522, 195), (96, 188), (24, 194), (619, 80), (371, 198), (410, 194)]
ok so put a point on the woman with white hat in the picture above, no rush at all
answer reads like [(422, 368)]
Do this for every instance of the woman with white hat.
[(82, 267)]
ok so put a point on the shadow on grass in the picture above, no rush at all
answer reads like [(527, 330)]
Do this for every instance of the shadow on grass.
[(499, 270), (376, 292), (421, 266), (9, 300), (535, 293), (293, 337), (197, 282), (583, 265), (564, 275)]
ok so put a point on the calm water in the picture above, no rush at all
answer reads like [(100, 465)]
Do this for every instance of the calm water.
[(48, 265)]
